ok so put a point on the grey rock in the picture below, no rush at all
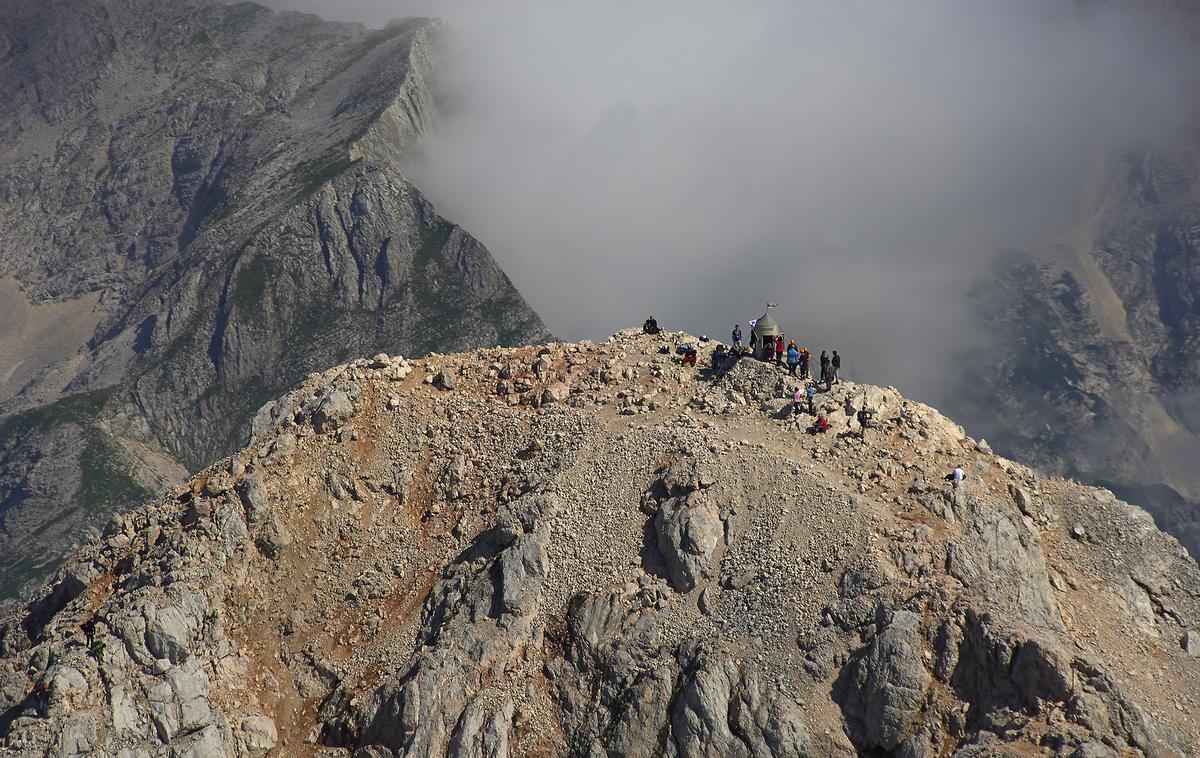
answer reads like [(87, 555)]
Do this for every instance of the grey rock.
[(1191, 643), (556, 393), (483, 734), (208, 742), (1093, 750), (721, 711), (255, 500), (78, 736), (125, 716), (231, 524), (273, 537), (1023, 500), (68, 683), (14, 686), (884, 688), (259, 735), (689, 535), (76, 579), (418, 708), (179, 703), (445, 379), (172, 629), (334, 409)]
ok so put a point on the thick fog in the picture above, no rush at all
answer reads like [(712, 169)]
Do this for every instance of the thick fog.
[(857, 163)]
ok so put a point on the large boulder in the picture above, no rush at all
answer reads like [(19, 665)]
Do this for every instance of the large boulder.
[(884, 688), (689, 535), (334, 410)]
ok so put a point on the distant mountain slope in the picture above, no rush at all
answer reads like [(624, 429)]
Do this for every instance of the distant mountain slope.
[(1095, 367), (225, 178)]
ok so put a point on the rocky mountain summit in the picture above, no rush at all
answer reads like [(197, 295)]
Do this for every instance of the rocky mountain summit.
[(201, 203), (592, 550)]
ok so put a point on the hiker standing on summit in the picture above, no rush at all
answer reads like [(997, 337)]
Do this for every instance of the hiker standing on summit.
[(793, 357), (836, 362), (826, 372), (737, 337), (779, 350)]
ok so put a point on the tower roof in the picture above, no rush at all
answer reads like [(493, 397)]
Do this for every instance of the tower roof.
[(766, 324)]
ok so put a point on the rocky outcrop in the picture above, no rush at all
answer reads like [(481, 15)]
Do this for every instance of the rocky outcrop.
[(885, 688), (226, 179), (479, 616), (469, 570)]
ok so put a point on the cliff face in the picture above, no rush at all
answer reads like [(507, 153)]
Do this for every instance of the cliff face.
[(1096, 362), (219, 184), (589, 549)]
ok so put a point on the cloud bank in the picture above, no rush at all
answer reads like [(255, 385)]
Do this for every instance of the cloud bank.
[(858, 163)]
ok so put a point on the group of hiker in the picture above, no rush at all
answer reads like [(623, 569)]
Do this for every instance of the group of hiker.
[(798, 360), (773, 350)]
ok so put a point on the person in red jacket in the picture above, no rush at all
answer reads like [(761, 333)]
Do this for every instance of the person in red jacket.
[(779, 350)]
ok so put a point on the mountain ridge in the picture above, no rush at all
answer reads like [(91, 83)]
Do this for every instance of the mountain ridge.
[(580, 548), (227, 179)]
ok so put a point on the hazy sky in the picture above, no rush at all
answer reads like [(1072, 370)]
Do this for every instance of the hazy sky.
[(857, 163)]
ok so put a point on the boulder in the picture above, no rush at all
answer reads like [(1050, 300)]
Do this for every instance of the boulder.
[(259, 735), (1023, 499), (273, 538), (555, 393), (689, 534), (253, 493), (883, 689), (481, 731), (444, 380), (333, 411), (172, 629), (1191, 643), (78, 736)]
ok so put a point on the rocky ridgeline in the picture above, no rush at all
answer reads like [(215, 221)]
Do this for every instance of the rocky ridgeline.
[(591, 550), (227, 180)]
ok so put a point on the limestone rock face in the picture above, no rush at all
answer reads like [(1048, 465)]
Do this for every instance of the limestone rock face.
[(886, 686), (222, 184), (689, 533), (1095, 355), (477, 572)]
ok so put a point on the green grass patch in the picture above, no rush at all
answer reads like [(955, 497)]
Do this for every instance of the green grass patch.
[(81, 407), (433, 239), (251, 284), (105, 482), (313, 175)]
